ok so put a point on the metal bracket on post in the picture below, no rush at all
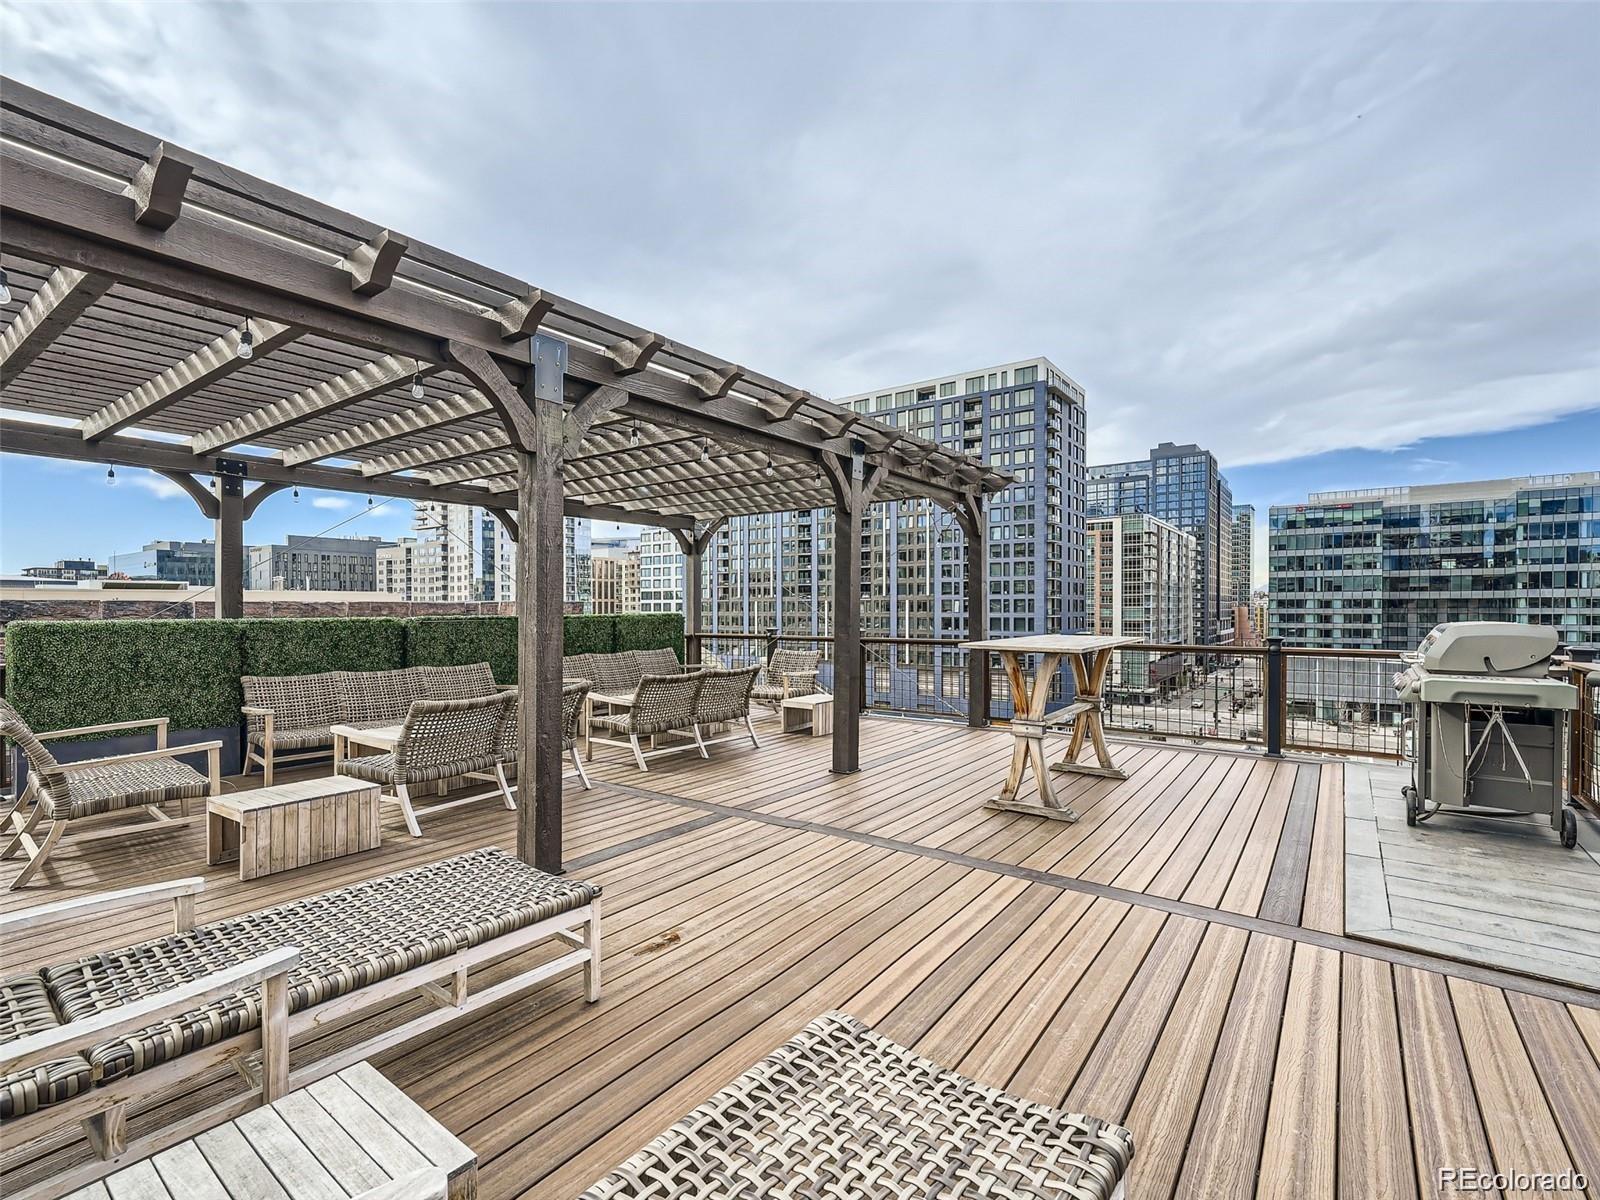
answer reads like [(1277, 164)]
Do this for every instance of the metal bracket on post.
[(549, 368), (231, 472)]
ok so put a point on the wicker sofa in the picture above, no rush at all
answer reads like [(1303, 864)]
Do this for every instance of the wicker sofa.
[(112, 1030), (288, 718), (668, 706)]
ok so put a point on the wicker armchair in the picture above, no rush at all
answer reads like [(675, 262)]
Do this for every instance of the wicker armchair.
[(788, 673), (724, 699), (663, 704), (573, 694), (442, 739), (64, 792)]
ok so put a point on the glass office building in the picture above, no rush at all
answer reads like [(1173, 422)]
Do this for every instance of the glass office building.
[(1183, 486), (1379, 568)]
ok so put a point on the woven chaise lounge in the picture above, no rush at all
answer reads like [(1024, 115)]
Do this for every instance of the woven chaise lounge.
[(62, 794), (115, 1029), (843, 1111)]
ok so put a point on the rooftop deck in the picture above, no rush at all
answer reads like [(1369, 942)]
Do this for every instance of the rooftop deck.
[(1176, 961)]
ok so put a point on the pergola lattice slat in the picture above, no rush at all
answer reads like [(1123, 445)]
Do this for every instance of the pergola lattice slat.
[(65, 297)]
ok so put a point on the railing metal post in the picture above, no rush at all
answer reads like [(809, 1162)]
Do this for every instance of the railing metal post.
[(772, 644), (863, 677), (1276, 700)]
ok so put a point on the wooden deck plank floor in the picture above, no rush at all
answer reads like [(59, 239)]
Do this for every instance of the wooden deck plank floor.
[(1121, 965)]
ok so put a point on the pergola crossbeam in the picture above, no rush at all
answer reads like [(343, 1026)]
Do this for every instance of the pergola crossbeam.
[(434, 415), (210, 364), (60, 301)]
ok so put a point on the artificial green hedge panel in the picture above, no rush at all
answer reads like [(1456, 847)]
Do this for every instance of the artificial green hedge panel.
[(307, 645), (650, 631), (589, 635), (448, 641), (61, 674)]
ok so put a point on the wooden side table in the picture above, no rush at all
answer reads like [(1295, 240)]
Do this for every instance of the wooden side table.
[(292, 824), (813, 713)]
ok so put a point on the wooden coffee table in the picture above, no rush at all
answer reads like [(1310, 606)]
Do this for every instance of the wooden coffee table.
[(813, 714), (292, 825)]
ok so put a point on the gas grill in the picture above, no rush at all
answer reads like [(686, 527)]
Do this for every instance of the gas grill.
[(1487, 734)]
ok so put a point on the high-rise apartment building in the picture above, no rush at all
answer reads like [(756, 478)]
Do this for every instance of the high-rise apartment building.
[(1141, 584), (1181, 485), (1378, 568), (773, 570), (412, 569), (614, 583), (1244, 539), (320, 564)]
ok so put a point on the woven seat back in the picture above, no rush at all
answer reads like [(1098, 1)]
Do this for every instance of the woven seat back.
[(387, 696), (296, 701), (657, 662), (664, 702), (465, 681), (572, 693), (52, 780), (615, 674), (578, 666), (724, 695), (439, 734), (792, 662)]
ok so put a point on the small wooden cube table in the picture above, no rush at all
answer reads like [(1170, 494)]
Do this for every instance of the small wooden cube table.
[(813, 714), (1090, 655), (292, 825)]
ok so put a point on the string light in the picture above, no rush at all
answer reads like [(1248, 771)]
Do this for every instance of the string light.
[(771, 470), (416, 386), (705, 449), (5, 287), (111, 476), (633, 438), (247, 347), (297, 495)]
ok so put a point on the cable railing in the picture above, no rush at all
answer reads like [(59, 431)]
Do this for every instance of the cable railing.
[(1583, 759), (1272, 697)]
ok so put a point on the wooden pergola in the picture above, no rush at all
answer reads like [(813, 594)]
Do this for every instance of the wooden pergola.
[(167, 311)]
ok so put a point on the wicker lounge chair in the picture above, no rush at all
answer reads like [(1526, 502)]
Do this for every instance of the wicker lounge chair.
[(662, 705), (288, 718), (788, 673), (442, 739), (64, 793), (843, 1111), (724, 699), (85, 1040), (573, 694)]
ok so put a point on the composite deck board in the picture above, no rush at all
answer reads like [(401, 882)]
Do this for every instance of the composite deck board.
[(1248, 1063)]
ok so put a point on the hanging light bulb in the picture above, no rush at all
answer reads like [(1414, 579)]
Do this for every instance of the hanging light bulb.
[(369, 501), (111, 476), (5, 288), (705, 449), (297, 495), (633, 438), (247, 347), (416, 386), (771, 470)]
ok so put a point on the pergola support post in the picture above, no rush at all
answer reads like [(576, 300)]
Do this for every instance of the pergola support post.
[(853, 489), (539, 612), (693, 544), (228, 587), (972, 516)]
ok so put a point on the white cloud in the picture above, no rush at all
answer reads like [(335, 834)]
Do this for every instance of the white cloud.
[(1277, 230), (157, 485), (335, 502)]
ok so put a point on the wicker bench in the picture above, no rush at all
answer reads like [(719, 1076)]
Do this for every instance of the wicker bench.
[(289, 718), (843, 1111), (112, 1030)]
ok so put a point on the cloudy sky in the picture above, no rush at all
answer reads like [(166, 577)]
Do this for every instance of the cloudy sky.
[(1310, 237)]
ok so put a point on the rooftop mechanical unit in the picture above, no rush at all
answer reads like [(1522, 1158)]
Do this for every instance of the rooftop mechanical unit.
[(1487, 734)]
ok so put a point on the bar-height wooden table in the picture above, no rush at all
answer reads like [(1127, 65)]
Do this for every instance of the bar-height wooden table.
[(1090, 656)]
